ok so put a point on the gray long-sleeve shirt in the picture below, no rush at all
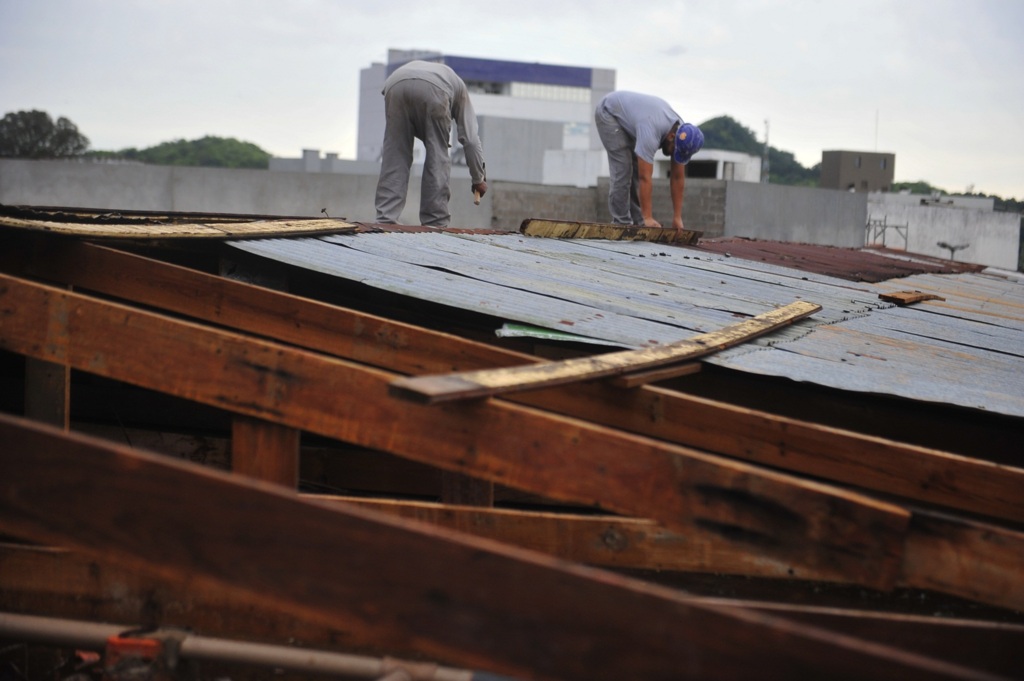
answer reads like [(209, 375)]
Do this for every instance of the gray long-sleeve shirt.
[(447, 80)]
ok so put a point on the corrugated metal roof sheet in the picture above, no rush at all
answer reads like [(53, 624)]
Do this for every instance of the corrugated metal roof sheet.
[(875, 264), (967, 350)]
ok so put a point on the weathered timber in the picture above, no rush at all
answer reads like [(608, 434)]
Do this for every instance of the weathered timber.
[(148, 230), (599, 540), (63, 583), (465, 490), (914, 472), (265, 451), (817, 528), (558, 229), (637, 378), (940, 551), (486, 382), (350, 568), (908, 297), (47, 392)]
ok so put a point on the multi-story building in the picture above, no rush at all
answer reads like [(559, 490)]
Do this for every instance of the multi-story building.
[(525, 110), (536, 123)]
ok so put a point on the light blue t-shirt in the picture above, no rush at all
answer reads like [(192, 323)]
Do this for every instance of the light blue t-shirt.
[(646, 118)]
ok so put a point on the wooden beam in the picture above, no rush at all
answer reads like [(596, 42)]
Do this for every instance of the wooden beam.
[(62, 583), (465, 490), (486, 382), (351, 568), (265, 451), (939, 550), (914, 472), (48, 392), (823, 530), (558, 229), (903, 298), (600, 540), (149, 229), (638, 378)]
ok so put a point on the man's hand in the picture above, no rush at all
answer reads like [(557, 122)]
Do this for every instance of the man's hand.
[(480, 188)]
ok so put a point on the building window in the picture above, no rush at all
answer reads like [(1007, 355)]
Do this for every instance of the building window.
[(856, 162), (881, 163), (561, 93)]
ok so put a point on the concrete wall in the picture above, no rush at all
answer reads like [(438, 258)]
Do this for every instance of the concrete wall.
[(216, 190), (514, 148), (514, 202), (992, 239), (798, 214), (715, 207)]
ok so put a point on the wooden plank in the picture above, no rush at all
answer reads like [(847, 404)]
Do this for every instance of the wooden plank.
[(638, 378), (47, 392), (600, 540), (265, 451), (828, 453), (147, 230), (902, 298), (939, 550), (559, 229), (465, 490), (487, 382), (811, 526), (351, 568), (62, 583)]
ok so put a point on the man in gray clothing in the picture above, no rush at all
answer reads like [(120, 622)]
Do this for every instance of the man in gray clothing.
[(633, 127), (420, 101)]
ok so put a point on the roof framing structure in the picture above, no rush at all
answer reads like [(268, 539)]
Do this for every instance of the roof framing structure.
[(619, 482)]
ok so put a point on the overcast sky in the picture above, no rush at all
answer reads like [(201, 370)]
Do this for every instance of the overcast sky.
[(937, 82)]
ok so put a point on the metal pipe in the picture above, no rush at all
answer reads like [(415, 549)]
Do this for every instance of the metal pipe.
[(92, 635)]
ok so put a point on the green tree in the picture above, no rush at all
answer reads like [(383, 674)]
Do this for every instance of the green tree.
[(724, 132), (210, 152), (33, 134)]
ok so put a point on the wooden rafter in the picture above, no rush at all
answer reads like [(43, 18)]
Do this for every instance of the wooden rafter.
[(814, 527), (351, 569)]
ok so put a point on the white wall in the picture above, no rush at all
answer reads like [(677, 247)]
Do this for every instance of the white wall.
[(993, 239), (828, 217), (574, 167)]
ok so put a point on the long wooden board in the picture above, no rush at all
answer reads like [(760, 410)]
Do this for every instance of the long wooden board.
[(560, 229), (785, 443), (148, 230), (395, 583), (487, 382)]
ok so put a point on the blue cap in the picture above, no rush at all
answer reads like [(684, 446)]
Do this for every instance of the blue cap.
[(689, 140)]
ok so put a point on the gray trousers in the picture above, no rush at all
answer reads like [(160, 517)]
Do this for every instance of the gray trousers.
[(415, 109), (623, 201)]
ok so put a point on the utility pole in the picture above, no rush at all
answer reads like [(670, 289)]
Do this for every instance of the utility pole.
[(764, 158)]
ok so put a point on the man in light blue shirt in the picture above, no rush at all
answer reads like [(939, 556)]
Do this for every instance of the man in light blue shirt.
[(633, 127)]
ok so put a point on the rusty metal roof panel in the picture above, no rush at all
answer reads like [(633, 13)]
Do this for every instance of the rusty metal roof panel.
[(967, 349), (870, 264)]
